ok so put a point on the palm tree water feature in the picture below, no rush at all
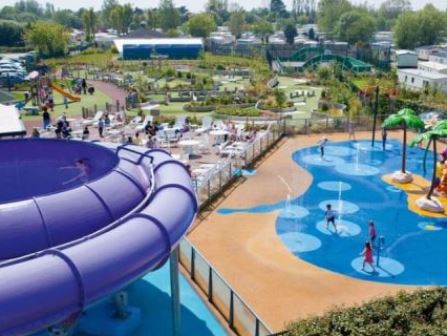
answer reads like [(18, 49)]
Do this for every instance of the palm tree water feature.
[(404, 119), (439, 131)]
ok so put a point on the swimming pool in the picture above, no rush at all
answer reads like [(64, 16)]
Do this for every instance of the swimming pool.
[(350, 178)]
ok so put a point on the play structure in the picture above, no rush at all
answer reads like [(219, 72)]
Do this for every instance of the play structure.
[(65, 93), (79, 222)]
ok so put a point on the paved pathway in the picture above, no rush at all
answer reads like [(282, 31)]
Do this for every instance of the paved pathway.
[(111, 90)]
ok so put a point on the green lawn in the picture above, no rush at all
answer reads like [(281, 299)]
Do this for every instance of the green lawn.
[(304, 111), (75, 108)]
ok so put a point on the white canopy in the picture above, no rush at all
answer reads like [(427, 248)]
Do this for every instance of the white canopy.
[(10, 122)]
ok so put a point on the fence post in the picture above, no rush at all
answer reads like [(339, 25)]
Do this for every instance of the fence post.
[(210, 285), (231, 317), (193, 263), (257, 327)]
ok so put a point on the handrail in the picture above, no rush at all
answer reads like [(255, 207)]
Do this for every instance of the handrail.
[(196, 251)]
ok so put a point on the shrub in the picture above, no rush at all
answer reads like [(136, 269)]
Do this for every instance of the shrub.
[(423, 312), (235, 111)]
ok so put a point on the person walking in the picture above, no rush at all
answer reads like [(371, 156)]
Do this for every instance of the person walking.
[(367, 254), (46, 118), (84, 86), (330, 217), (85, 133), (384, 136), (101, 127), (372, 232), (321, 145)]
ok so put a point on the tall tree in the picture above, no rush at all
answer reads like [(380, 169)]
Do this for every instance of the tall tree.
[(329, 12), (169, 15), (90, 21), (49, 39), (152, 18), (391, 9), (10, 33), (236, 23), (263, 29), (201, 25), (219, 9), (425, 27), (290, 32), (106, 11), (278, 8), (121, 17), (355, 26)]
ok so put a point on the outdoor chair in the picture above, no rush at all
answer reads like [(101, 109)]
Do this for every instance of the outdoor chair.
[(94, 121)]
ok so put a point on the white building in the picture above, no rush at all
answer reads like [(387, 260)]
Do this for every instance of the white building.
[(424, 52), (417, 79), (433, 67), (406, 59), (438, 56), (383, 36)]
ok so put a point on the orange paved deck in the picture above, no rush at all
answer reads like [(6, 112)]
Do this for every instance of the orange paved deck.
[(246, 250)]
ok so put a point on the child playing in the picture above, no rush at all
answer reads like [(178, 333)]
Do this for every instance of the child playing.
[(321, 144), (330, 217), (367, 254), (371, 232)]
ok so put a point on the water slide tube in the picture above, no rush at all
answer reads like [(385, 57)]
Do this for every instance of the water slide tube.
[(65, 93), (66, 243)]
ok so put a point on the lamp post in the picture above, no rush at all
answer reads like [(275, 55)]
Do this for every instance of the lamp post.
[(376, 107)]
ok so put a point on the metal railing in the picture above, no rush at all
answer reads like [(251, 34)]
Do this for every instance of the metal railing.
[(240, 317), (212, 184)]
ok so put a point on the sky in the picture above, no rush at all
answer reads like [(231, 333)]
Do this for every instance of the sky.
[(198, 5)]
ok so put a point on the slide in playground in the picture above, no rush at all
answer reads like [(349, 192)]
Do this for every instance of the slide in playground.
[(80, 221), (65, 93)]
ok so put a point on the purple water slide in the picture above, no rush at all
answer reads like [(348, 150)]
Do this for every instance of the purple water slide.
[(79, 221)]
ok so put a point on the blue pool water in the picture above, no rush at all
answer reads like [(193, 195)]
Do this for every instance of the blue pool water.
[(350, 178)]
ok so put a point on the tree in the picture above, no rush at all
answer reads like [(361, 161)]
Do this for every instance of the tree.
[(329, 12), (406, 34), (219, 9), (290, 33), (355, 26), (278, 8), (67, 18), (236, 23), (425, 27), (263, 29), (90, 20), (432, 25), (106, 11), (49, 39), (201, 25), (439, 131), (10, 33), (405, 119), (121, 17), (169, 15), (280, 97), (152, 18), (391, 9)]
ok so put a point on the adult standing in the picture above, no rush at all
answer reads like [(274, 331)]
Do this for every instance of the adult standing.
[(84, 85), (46, 118), (101, 127)]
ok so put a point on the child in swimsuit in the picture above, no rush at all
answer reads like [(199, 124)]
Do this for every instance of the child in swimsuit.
[(367, 254), (330, 217), (371, 232)]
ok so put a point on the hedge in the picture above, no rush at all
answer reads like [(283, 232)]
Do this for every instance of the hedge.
[(419, 313)]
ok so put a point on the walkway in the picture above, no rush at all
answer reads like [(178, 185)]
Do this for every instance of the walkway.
[(111, 90), (246, 250)]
